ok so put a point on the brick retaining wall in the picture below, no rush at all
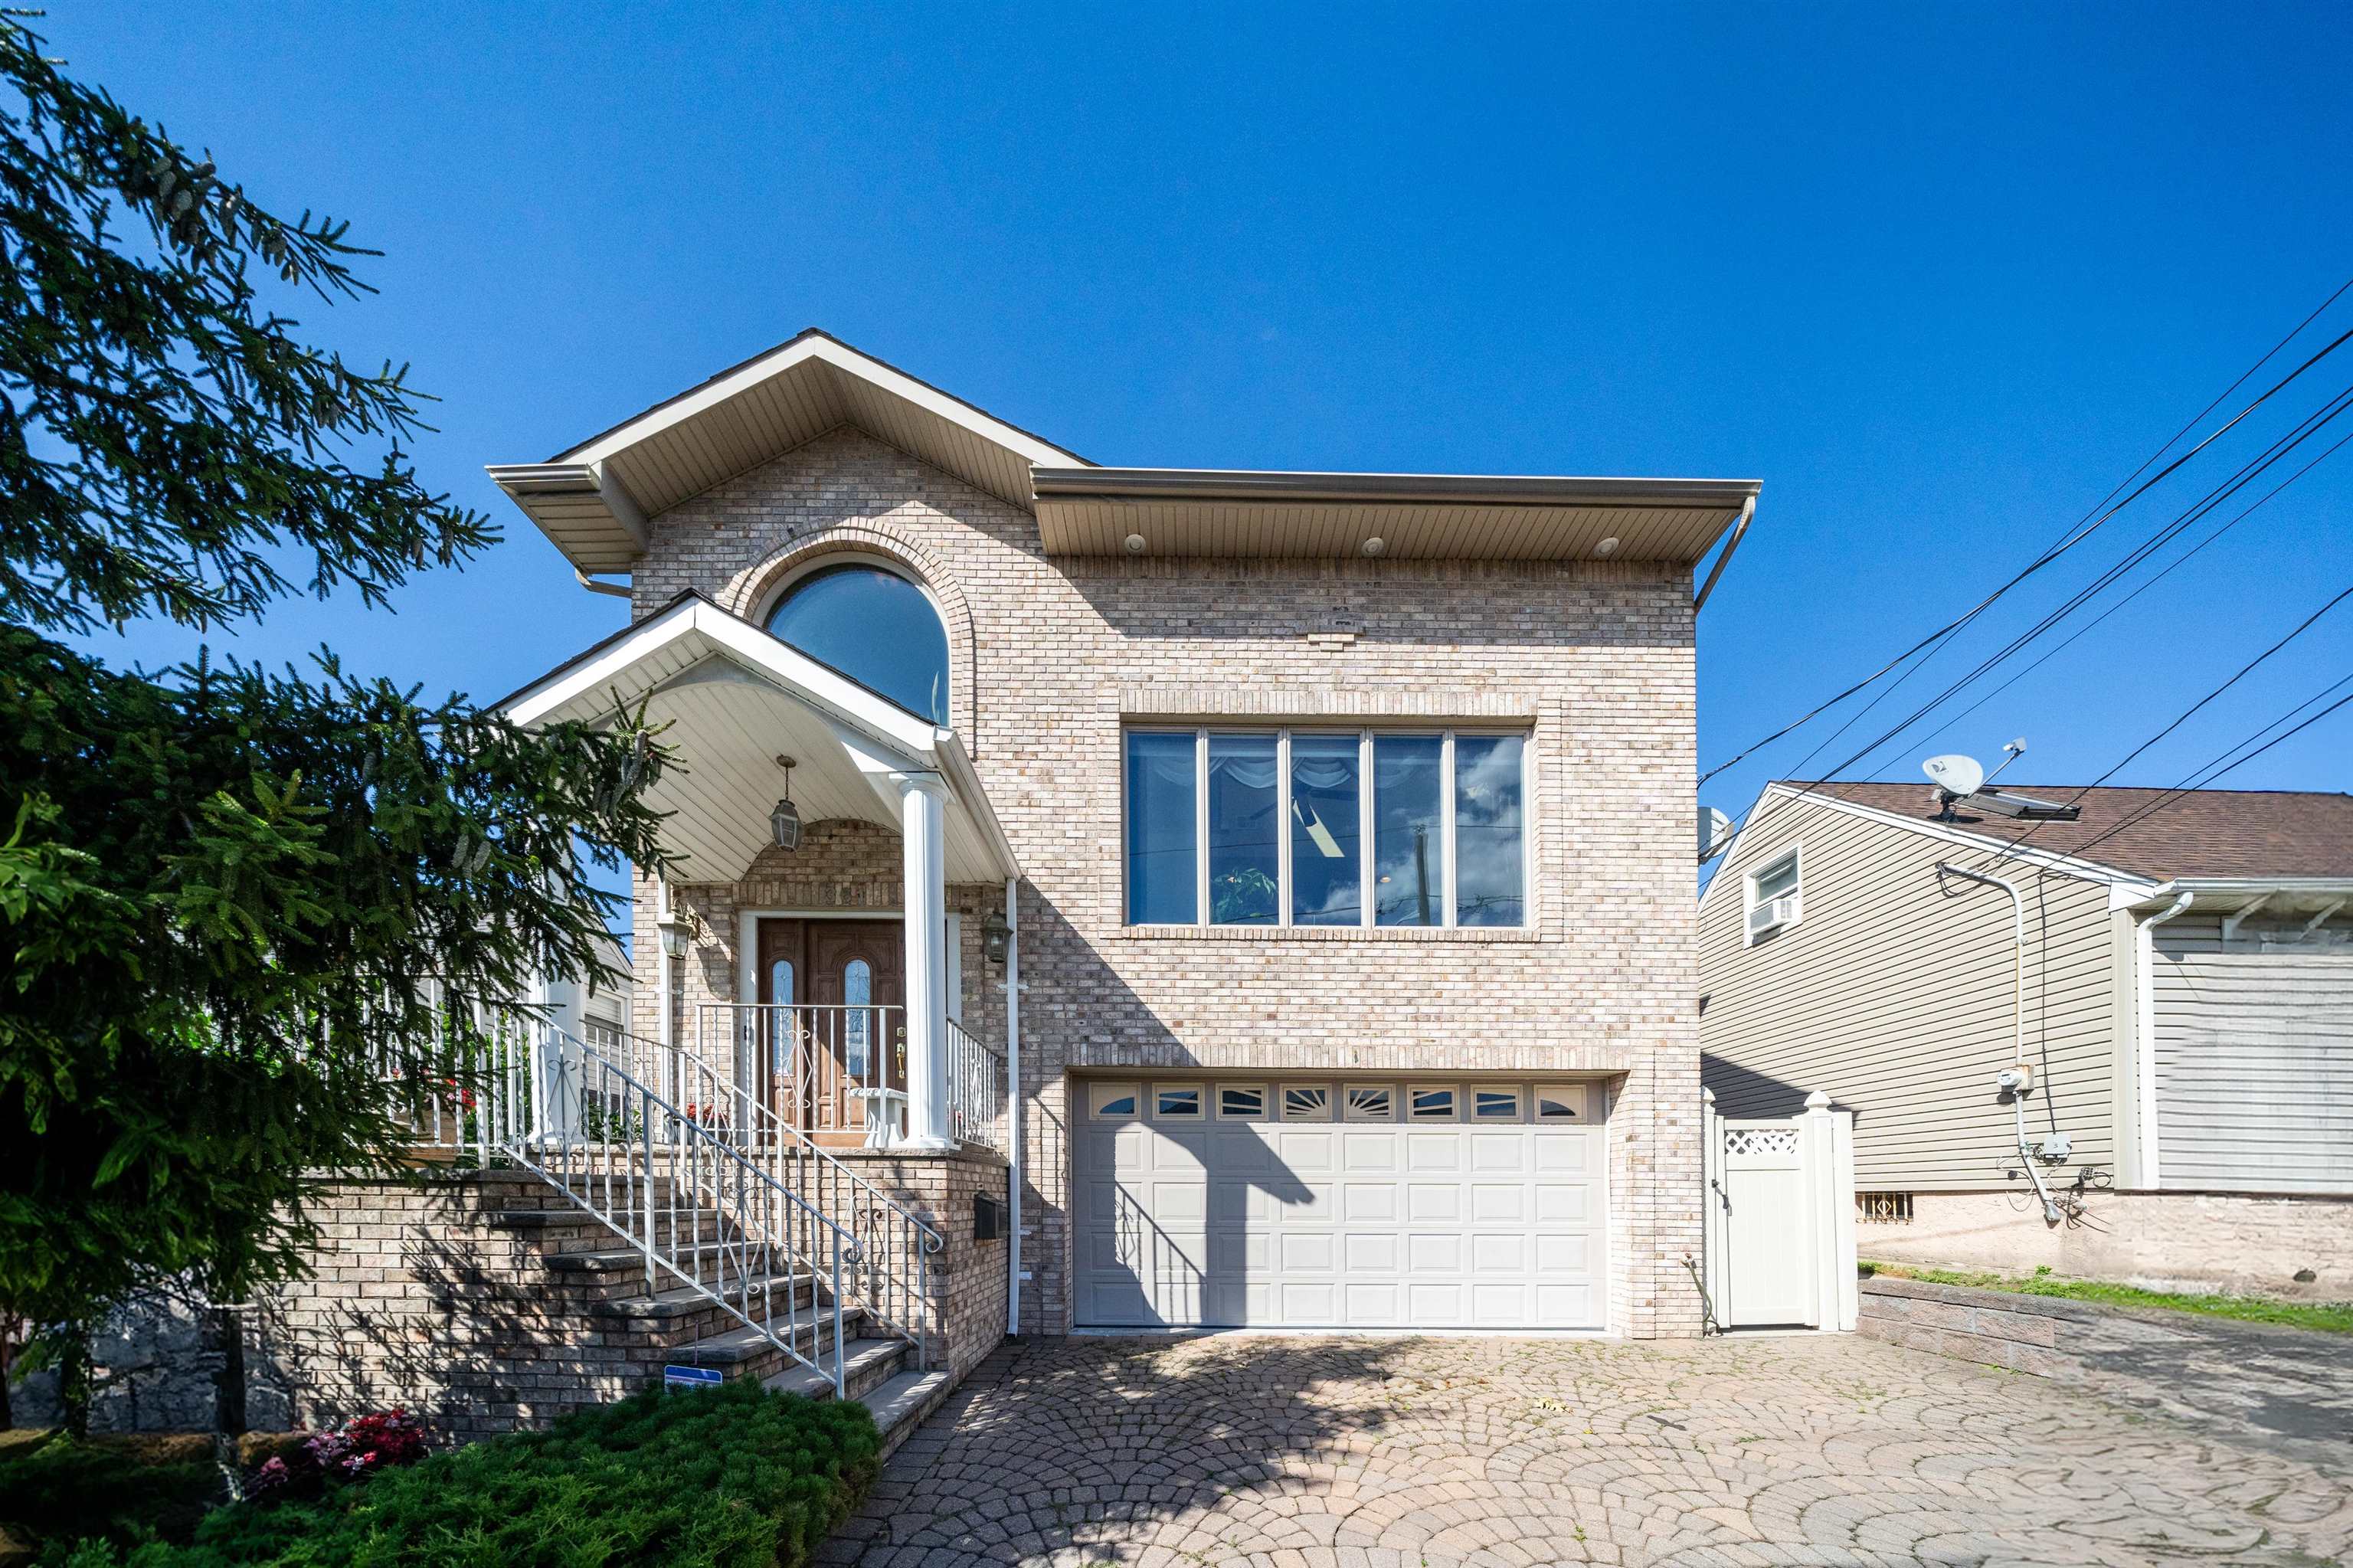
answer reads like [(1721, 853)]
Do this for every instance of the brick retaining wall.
[(1992, 1327)]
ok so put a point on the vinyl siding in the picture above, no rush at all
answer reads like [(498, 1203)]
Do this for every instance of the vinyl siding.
[(2255, 1058), (1896, 997)]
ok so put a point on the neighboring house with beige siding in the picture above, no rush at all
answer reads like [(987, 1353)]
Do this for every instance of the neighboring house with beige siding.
[(2183, 996)]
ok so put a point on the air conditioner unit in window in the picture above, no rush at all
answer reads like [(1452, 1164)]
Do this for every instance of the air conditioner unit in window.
[(1772, 914)]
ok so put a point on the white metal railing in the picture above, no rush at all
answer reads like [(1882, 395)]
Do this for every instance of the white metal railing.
[(810, 1065), (698, 1208), (976, 1089), (892, 1248)]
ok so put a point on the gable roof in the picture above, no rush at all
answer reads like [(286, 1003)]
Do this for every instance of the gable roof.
[(2196, 833), (592, 500)]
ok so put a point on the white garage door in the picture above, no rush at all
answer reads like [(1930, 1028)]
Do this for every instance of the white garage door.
[(1302, 1204)]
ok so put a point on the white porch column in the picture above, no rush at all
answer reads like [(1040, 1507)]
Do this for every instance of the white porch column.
[(922, 843)]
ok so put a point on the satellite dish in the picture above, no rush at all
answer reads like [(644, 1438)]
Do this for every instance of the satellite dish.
[(1715, 827), (1953, 774)]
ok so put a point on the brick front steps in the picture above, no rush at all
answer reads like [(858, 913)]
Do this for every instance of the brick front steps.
[(673, 1324)]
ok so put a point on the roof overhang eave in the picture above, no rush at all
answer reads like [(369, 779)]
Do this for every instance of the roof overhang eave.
[(2217, 894), (1408, 489)]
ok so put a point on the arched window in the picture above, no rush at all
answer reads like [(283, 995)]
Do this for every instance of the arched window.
[(875, 627)]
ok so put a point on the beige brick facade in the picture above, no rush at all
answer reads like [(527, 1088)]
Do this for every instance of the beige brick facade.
[(1048, 657)]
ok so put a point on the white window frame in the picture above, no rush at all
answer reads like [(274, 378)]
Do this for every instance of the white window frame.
[(1101, 1095), (1578, 1094), (1348, 1093), (1282, 1102), (1448, 735), (1453, 1103), (1795, 858), (1520, 1102), (1200, 1102), (1222, 1090)]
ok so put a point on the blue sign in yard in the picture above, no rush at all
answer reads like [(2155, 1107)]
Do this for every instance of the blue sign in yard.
[(691, 1377)]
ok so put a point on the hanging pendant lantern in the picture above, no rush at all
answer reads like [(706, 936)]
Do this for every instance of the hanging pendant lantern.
[(786, 820)]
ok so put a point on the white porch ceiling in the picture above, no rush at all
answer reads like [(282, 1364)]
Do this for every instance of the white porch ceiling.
[(731, 699)]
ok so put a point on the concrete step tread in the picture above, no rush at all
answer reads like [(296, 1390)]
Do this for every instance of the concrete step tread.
[(683, 1300), (902, 1397), (743, 1343), (621, 1259), (863, 1355)]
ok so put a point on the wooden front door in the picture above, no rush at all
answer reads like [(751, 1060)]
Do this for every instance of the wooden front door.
[(844, 983)]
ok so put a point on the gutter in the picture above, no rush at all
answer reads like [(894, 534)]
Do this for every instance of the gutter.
[(1013, 1105), (2144, 1046), (1492, 489), (1724, 556)]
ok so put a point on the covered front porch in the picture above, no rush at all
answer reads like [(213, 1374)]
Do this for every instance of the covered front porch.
[(834, 932)]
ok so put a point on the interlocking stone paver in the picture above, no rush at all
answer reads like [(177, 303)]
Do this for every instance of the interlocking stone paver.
[(1283, 1451)]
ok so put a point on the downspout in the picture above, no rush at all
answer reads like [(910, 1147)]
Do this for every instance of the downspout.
[(1724, 556), (2144, 1048), (1013, 1104), (2020, 1082)]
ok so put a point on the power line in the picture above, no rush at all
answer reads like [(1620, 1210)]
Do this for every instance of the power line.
[(2073, 537), (2178, 561), (2187, 713), (2304, 429), (2203, 777)]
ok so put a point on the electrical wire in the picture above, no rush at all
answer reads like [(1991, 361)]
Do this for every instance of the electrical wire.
[(2080, 532), (2241, 673)]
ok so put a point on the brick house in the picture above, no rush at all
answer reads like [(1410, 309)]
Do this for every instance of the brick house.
[(1194, 899), (1288, 872)]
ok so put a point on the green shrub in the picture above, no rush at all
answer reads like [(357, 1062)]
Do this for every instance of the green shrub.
[(126, 1489), (730, 1476)]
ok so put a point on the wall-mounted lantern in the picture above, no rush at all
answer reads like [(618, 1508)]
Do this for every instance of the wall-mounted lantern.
[(784, 821), (996, 939), (676, 933)]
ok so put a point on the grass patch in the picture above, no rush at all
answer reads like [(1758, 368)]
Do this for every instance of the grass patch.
[(725, 1478), (2328, 1317)]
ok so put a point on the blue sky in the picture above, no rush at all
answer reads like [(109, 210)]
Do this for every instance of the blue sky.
[(1939, 276)]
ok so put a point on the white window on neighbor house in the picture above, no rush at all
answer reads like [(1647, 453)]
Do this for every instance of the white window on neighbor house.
[(1772, 895), (1310, 827)]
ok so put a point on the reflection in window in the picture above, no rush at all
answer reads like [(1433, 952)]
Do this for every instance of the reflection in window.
[(1245, 856), (1114, 1099), (1407, 842), (1311, 1103), (1495, 1105), (876, 628), (1160, 852), (780, 1024), (1184, 1105), (1432, 1105), (857, 1025), (1560, 1105), (1371, 1105), (1488, 883), (1242, 1100), (1327, 886)]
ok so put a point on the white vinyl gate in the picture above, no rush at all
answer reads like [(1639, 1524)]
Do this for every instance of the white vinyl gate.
[(1780, 1221), (1406, 1205)]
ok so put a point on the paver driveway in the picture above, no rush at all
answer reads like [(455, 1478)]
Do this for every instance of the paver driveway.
[(1361, 1452)]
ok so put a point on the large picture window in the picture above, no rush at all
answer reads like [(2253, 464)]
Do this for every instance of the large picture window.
[(1325, 828)]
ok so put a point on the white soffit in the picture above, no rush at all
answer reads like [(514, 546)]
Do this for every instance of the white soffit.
[(1193, 512), (731, 699), (593, 500)]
